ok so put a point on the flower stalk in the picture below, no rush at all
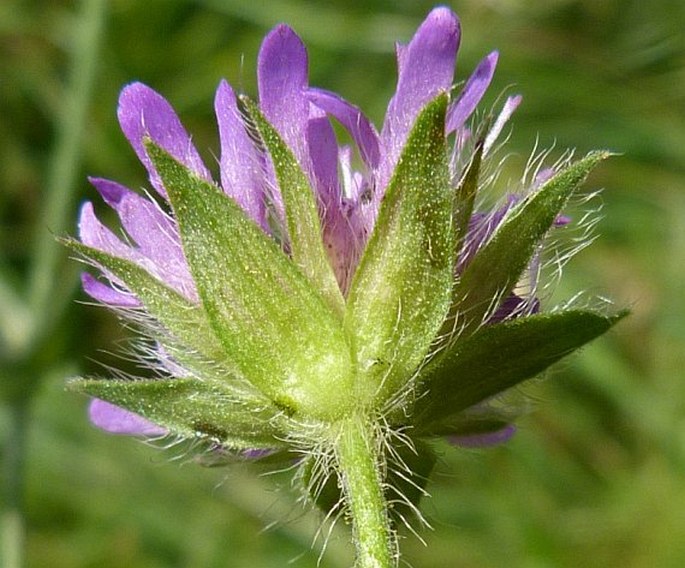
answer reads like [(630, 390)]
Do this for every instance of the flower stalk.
[(361, 473)]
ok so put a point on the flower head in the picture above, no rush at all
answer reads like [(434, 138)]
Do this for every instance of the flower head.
[(294, 290)]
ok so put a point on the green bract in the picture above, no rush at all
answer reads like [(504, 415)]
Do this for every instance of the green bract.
[(401, 290), (498, 357), (195, 409), (496, 269), (301, 210)]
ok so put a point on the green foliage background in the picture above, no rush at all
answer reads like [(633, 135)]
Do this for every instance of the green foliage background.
[(596, 475)]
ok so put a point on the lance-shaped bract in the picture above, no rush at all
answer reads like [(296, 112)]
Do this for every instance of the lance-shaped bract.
[(498, 357), (301, 210), (496, 269), (401, 290), (192, 409)]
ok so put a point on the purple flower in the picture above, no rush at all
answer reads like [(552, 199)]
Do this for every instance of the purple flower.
[(436, 274), (348, 199), (297, 304), (296, 307)]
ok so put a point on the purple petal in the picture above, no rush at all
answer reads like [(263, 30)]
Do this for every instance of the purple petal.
[(401, 56), (345, 241), (426, 68), (106, 294), (510, 106), (240, 164), (160, 251), (152, 230), (473, 92), (116, 420), (354, 121), (481, 227), (144, 113), (337, 232), (96, 235), (323, 151), (282, 81), (514, 306), (484, 440)]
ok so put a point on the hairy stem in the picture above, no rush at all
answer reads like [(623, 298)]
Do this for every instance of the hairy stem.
[(359, 459)]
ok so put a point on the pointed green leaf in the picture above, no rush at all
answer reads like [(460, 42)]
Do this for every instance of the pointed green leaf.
[(281, 334), (191, 409), (496, 269), (401, 289), (192, 339), (498, 357), (301, 212)]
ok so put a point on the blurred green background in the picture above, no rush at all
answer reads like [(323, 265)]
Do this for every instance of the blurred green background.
[(596, 474)]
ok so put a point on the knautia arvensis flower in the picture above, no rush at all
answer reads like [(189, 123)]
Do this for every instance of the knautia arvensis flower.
[(330, 314)]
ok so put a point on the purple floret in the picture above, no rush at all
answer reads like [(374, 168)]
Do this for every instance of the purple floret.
[(348, 199)]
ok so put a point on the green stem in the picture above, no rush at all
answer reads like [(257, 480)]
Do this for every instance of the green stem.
[(12, 526), (359, 460), (44, 278)]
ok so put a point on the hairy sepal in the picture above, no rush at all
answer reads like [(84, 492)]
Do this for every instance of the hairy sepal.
[(183, 328), (190, 408), (498, 357), (401, 290), (282, 335), (301, 211), (497, 267)]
